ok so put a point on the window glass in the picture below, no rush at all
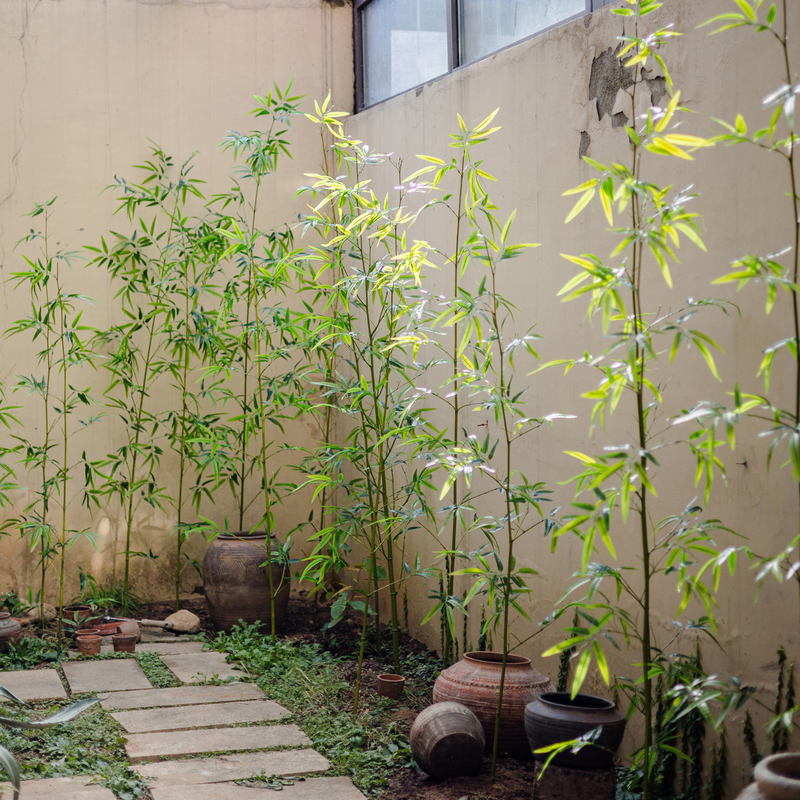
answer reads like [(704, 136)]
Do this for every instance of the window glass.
[(404, 44), (488, 25)]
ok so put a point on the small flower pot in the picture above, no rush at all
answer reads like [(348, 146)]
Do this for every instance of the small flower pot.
[(89, 645), (124, 642), (391, 686)]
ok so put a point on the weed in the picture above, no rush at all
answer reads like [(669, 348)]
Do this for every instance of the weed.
[(156, 671), (29, 652)]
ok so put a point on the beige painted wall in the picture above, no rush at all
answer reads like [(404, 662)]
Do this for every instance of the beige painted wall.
[(85, 84), (542, 89)]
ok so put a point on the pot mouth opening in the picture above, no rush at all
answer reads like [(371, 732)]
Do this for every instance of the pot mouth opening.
[(490, 657), (391, 678), (5, 615), (245, 535), (582, 701), (784, 765)]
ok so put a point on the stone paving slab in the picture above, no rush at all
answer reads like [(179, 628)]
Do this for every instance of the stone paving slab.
[(205, 716), (80, 788), (177, 648), (99, 676), (218, 769), (191, 667), (144, 746), (309, 789), (33, 684), (182, 696)]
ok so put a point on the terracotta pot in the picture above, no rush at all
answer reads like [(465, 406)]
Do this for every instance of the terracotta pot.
[(778, 777), (10, 631), (237, 586), (89, 645), (391, 686), (475, 682), (87, 632), (447, 740), (124, 642), (82, 611), (556, 717)]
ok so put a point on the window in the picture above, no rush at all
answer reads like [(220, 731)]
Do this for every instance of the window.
[(400, 44)]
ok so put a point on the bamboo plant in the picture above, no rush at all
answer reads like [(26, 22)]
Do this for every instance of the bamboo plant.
[(55, 322)]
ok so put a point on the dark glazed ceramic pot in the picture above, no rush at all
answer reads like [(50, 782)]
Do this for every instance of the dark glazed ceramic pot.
[(10, 631), (556, 717), (475, 682), (778, 777), (237, 586), (447, 740)]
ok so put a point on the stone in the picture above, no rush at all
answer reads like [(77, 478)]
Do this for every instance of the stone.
[(218, 769), (308, 789), (176, 648), (80, 788), (561, 783), (184, 621), (183, 696), (144, 746), (199, 667), (33, 684), (98, 676), (206, 716)]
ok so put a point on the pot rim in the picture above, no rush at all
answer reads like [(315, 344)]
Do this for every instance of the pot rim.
[(388, 677), (5, 615), (90, 637), (245, 535), (555, 700), (493, 657), (769, 770), (122, 637)]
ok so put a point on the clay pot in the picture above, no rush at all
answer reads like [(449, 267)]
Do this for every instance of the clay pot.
[(237, 586), (82, 611), (556, 717), (475, 682), (391, 686), (10, 631), (447, 740), (124, 642), (778, 777), (89, 645), (87, 632)]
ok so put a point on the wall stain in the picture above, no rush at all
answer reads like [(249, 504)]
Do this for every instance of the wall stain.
[(586, 140)]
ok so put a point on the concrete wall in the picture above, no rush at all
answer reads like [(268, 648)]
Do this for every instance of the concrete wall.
[(86, 84), (548, 110)]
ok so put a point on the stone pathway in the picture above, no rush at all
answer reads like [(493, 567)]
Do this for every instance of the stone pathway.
[(166, 726)]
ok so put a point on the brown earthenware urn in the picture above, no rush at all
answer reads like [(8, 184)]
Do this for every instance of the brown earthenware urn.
[(10, 630), (475, 682)]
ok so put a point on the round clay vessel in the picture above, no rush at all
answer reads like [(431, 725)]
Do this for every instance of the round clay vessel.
[(82, 612), (778, 777), (10, 631), (124, 642), (237, 586), (475, 682), (89, 645), (391, 686), (556, 717), (447, 740)]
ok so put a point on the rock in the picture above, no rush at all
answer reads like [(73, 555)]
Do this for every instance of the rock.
[(184, 621), (35, 615)]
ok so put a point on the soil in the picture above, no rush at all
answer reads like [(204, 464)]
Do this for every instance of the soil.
[(304, 622)]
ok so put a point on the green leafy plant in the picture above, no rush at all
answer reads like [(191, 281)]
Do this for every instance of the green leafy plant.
[(7, 762), (55, 323)]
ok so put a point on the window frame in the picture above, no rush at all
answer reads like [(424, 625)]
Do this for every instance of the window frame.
[(453, 43)]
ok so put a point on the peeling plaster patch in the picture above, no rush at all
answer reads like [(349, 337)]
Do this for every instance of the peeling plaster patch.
[(586, 140), (587, 21), (619, 120), (607, 78), (657, 86)]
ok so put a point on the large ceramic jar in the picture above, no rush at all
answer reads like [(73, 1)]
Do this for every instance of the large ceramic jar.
[(10, 630), (777, 778), (557, 717), (475, 682), (237, 585)]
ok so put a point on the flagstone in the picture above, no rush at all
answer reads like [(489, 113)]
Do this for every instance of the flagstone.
[(198, 667), (182, 696), (205, 716), (98, 676), (143, 746), (33, 684), (175, 648), (234, 767), (308, 789), (78, 788)]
